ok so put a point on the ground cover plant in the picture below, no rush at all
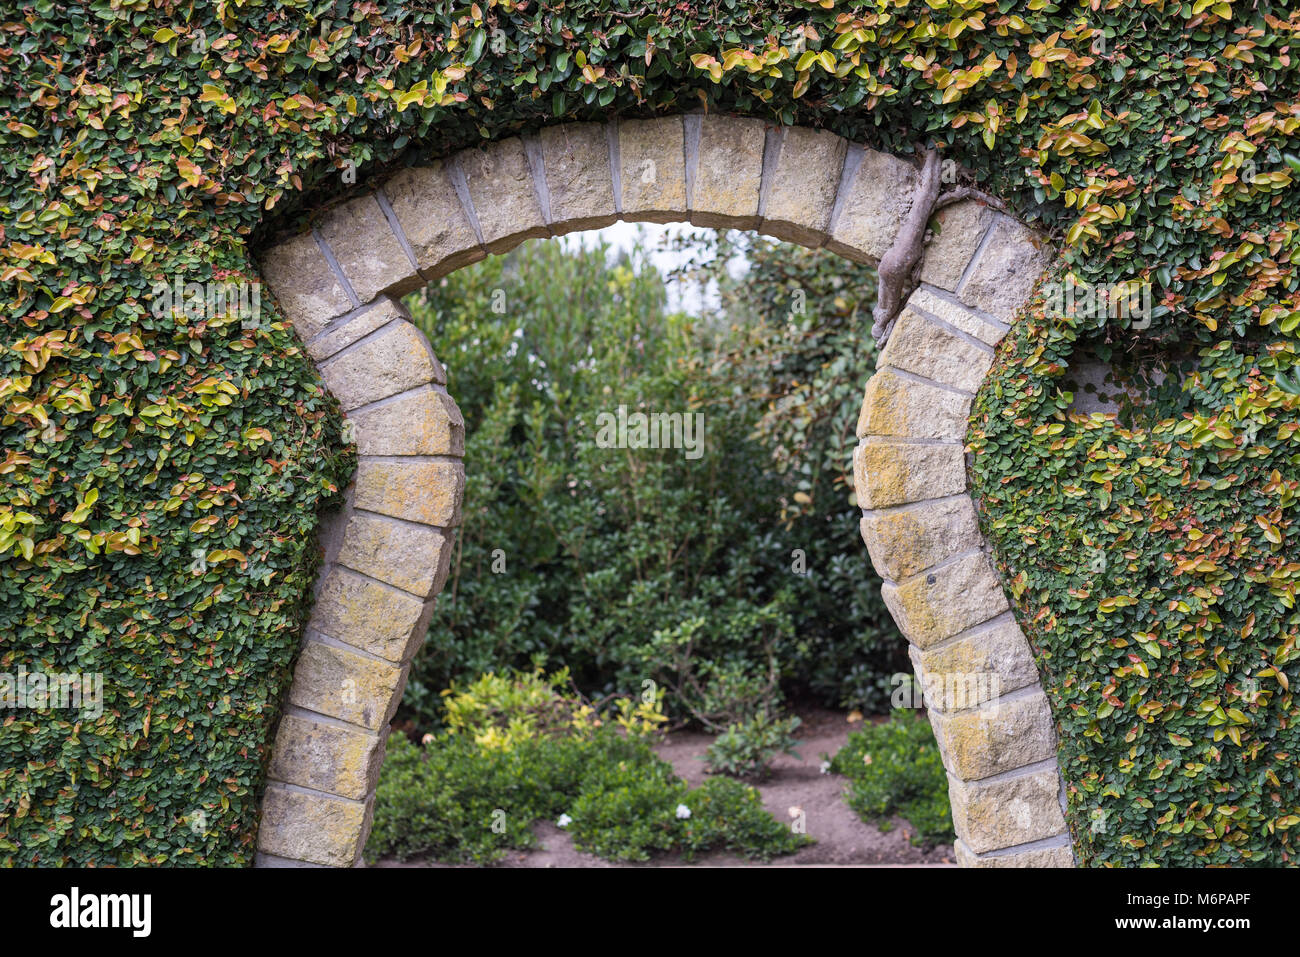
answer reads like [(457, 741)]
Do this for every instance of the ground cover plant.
[(525, 747), (894, 768)]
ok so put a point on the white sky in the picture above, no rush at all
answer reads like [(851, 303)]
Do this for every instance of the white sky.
[(622, 236)]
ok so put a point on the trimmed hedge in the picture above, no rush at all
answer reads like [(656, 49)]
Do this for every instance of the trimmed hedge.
[(156, 142)]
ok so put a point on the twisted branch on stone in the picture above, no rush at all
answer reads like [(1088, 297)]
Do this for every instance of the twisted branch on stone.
[(897, 273)]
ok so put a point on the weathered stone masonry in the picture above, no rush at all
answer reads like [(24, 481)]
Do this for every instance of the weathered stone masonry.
[(387, 553)]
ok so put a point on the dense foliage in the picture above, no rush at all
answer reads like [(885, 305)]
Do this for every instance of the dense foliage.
[(150, 140), (676, 567), (525, 749), (894, 768)]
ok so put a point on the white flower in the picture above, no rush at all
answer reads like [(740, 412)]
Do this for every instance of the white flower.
[(683, 812), (564, 821), (826, 767)]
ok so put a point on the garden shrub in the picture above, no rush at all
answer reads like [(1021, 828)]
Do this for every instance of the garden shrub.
[(797, 348), (467, 795), (894, 768), (635, 566), (747, 747), (144, 144), (497, 711)]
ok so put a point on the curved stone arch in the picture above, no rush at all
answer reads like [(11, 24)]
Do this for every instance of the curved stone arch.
[(387, 553)]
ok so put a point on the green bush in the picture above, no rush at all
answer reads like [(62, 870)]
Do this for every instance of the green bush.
[(629, 567), (894, 768), (747, 747), (468, 796), (622, 815), (797, 351)]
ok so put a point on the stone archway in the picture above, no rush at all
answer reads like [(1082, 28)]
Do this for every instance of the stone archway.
[(387, 554)]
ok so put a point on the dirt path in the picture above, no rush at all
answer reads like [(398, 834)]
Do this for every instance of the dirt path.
[(842, 839)]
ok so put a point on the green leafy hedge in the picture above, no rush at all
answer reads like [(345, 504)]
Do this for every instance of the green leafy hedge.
[(626, 567), (158, 141)]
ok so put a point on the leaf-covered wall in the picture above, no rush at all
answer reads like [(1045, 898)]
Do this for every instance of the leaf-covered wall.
[(162, 470)]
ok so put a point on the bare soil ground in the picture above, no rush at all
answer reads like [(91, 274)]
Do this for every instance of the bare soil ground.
[(794, 785)]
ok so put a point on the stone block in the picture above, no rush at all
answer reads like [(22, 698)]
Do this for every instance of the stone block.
[(1002, 735), (1008, 268), (390, 360), (304, 285), (341, 333), (871, 210), (367, 249), (311, 827), (958, 230), (1057, 855), (578, 177), (800, 198), (414, 558), (944, 306), (998, 650), (907, 540), (946, 600), (423, 421), (728, 172), (347, 685), (434, 220), (501, 188), (1005, 812), (895, 406), (371, 615), (418, 490), (925, 348), (896, 473), (317, 753), (652, 169)]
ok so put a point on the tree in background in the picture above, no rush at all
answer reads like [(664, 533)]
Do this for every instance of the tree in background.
[(796, 349), (728, 580)]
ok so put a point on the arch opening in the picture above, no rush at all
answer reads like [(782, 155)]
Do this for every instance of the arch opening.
[(387, 552)]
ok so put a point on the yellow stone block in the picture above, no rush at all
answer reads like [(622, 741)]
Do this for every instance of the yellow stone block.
[(416, 489), (578, 178), (423, 421), (946, 600), (1008, 733), (312, 827), (906, 540), (652, 169), (897, 473), (728, 172), (895, 406)]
